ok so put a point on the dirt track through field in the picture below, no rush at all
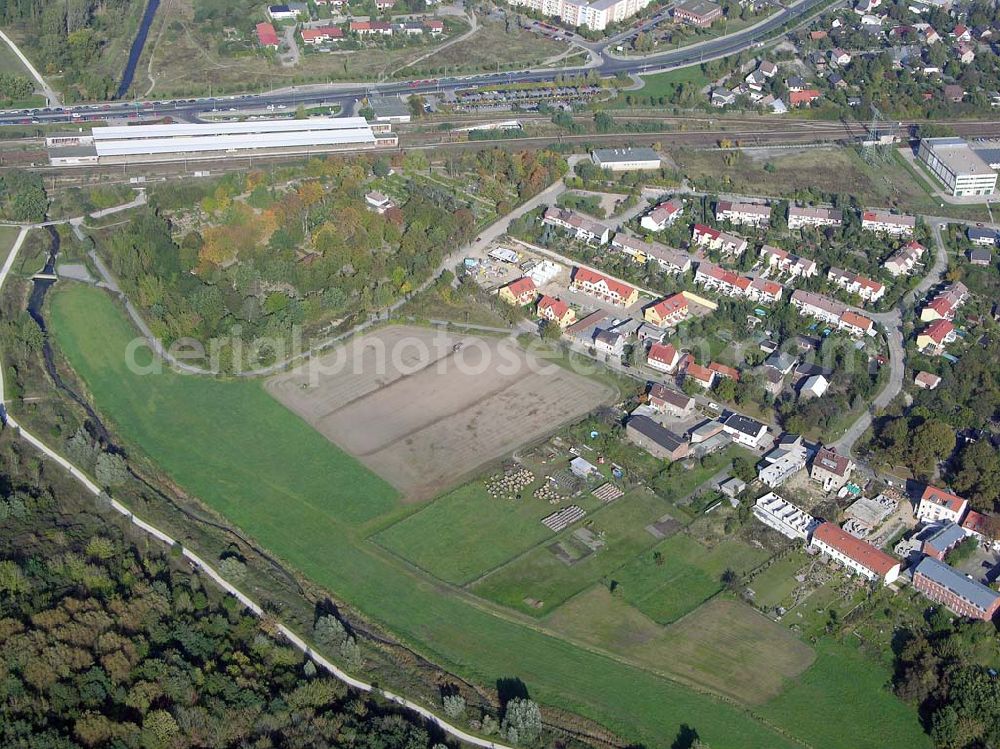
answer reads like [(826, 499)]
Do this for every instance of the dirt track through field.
[(424, 414)]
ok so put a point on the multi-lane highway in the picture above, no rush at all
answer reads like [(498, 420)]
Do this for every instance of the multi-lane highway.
[(345, 95)]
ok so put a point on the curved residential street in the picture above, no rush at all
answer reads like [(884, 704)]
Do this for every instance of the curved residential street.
[(892, 322)]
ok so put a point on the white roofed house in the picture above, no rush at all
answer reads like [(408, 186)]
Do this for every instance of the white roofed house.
[(663, 215), (782, 462), (808, 216), (904, 259), (750, 214), (784, 517), (378, 201), (814, 386)]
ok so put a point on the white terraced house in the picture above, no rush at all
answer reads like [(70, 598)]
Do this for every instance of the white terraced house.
[(904, 259), (585, 228), (714, 278), (785, 262), (888, 223), (713, 239), (750, 214), (799, 217), (663, 215), (856, 555), (851, 282)]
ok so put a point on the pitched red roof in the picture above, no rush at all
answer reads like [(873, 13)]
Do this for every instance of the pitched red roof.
[(333, 32), (701, 230), (521, 286), (795, 98), (663, 352), (585, 275), (670, 305), (725, 371), (698, 372), (938, 496), (975, 522), (557, 306), (938, 330), (266, 35), (856, 320), (854, 548)]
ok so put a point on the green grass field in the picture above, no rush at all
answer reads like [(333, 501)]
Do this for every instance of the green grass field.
[(839, 679), (239, 451), (7, 236), (541, 576), (687, 575), (723, 645), (776, 583), (466, 532)]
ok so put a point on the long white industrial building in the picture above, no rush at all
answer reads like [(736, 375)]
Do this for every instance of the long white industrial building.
[(130, 143)]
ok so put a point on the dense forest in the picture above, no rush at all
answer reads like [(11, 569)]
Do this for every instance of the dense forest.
[(78, 41), (22, 196), (107, 640), (937, 669)]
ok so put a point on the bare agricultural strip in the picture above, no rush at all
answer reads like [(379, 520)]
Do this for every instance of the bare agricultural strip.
[(424, 408)]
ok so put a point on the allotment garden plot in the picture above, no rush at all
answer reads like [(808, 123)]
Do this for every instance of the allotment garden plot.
[(425, 408)]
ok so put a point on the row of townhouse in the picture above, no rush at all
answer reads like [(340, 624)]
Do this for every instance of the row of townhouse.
[(663, 215), (866, 288), (728, 283), (945, 304), (903, 260), (828, 311), (886, 222), (745, 213), (714, 239), (604, 287), (784, 262), (789, 520), (322, 34), (670, 260), (586, 229), (809, 216)]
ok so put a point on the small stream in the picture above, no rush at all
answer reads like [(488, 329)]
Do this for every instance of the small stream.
[(36, 304)]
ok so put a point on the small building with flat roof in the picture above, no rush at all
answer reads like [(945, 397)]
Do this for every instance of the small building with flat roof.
[(626, 159), (390, 109)]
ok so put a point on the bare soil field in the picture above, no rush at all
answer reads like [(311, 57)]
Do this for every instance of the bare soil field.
[(422, 414)]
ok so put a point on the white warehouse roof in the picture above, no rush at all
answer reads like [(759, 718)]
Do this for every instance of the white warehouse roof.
[(228, 136)]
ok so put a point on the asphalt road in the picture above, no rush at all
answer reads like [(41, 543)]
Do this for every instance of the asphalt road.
[(345, 95)]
